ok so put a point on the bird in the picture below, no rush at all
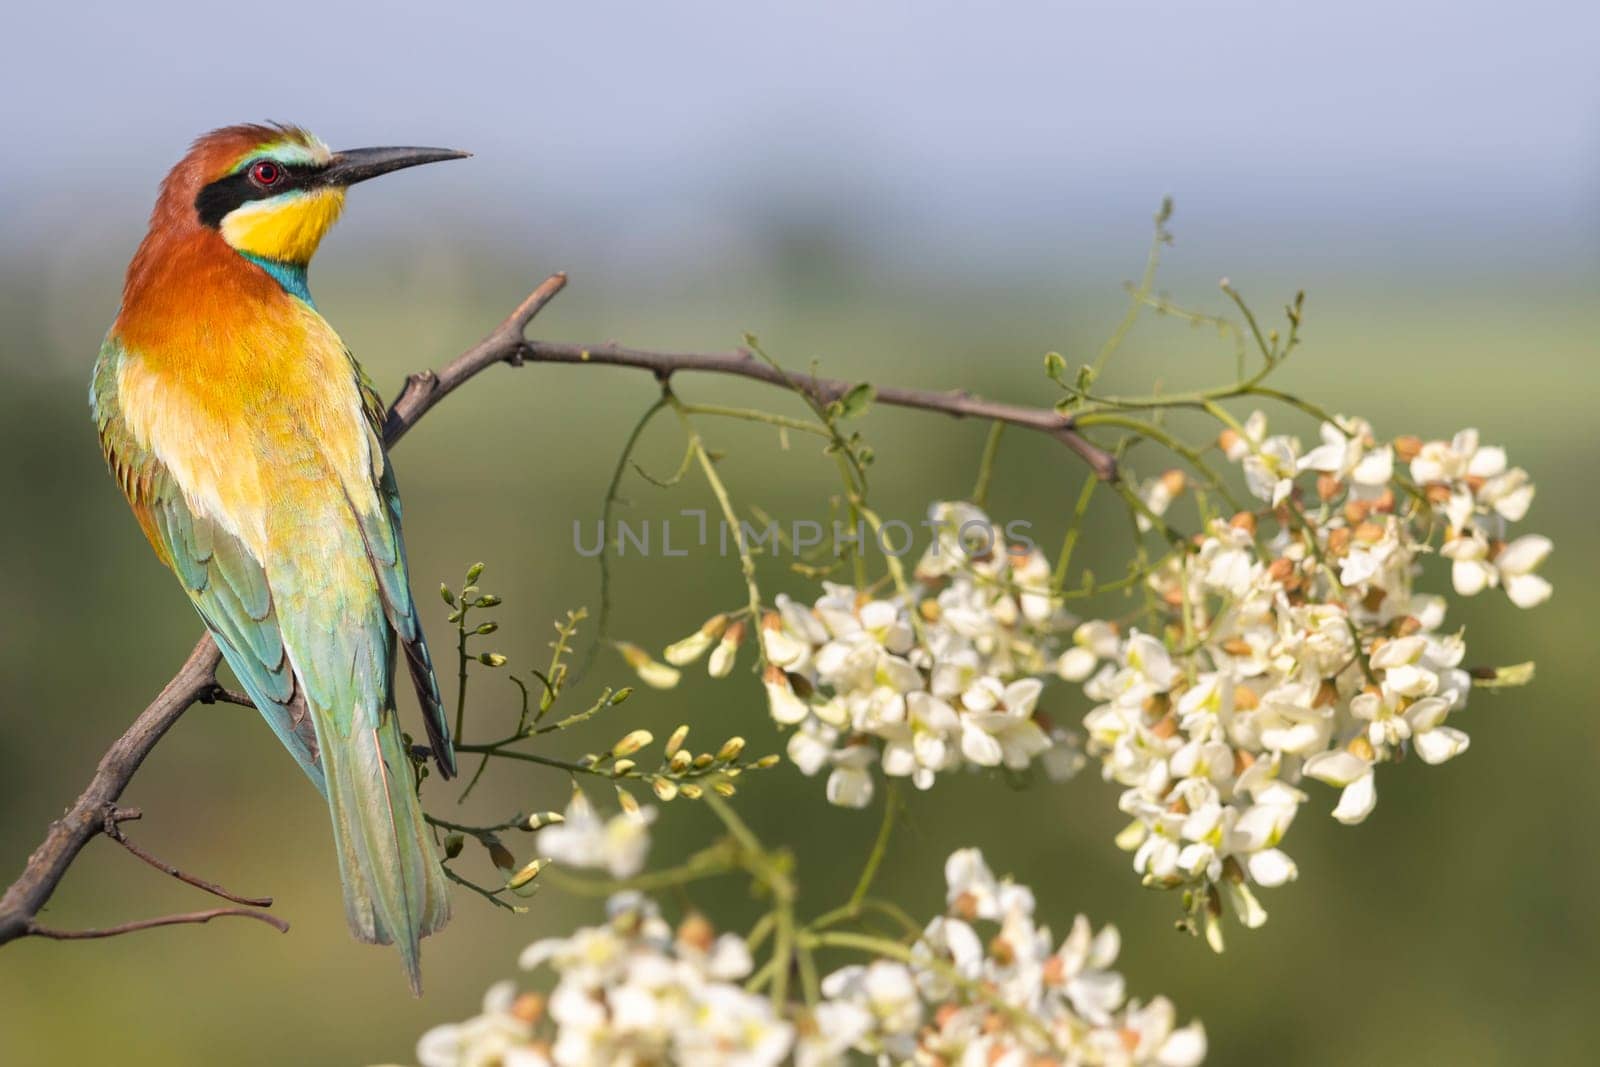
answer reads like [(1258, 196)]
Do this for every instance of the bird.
[(249, 442)]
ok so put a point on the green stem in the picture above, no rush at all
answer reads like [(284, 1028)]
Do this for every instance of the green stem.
[(1058, 580), (747, 563), (491, 895), (991, 449), (603, 622), (1155, 433), (752, 415), (461, 673), (712, 863), (534, 757), (1136, 296), (880, 847)]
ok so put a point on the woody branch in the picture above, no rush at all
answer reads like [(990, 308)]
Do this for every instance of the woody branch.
[(95, 811)]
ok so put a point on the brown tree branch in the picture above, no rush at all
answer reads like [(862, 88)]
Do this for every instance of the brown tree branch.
[(96, 812), (188, 917), (508, 345)]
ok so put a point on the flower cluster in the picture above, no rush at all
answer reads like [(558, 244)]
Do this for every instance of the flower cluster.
[(943, 675), (632, 990), (984, 984), (1291, 642)]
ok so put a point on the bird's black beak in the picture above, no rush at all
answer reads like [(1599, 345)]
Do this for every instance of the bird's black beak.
[(358, 164)]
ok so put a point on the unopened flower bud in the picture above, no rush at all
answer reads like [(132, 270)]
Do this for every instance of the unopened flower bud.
[(676, 741), (680, 761), (696, 932), (632, 742), (630, 806), (446, 595), (492, 659), (723, 789), (622, 767), (526, 874), (453, 844), (654, 674), (545, 818), (691, 790), (529, 1007), (474, 572), (786, 708), (694, 646), (727, 650), (665, 789), (730, 749)]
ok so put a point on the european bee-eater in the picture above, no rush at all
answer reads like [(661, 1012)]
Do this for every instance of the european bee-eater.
[(249, 442)]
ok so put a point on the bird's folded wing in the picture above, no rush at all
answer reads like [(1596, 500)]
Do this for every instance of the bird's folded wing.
[(224, 581), (386, 548)]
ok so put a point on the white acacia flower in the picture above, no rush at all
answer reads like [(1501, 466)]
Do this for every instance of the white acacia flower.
[(887, 992), (1157, 495), (1237, 446), (1001, 729), (925, 743), (1092, 642), (618, 845), (1351, 457), (1353, 775), (812, 746), (1270, 468), (850, 784), (973, 891), (1517, 564), (487, 1040)]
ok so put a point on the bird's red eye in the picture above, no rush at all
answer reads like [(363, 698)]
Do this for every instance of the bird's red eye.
[(266, 173)]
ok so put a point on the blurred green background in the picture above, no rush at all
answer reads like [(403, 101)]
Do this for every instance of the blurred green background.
[(933, 200)]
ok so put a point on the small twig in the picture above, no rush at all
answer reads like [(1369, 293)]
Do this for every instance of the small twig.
[(116, 834), (220, 694), (186, 918)]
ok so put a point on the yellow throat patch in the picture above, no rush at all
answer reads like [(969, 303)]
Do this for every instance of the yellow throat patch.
[(285, 228)]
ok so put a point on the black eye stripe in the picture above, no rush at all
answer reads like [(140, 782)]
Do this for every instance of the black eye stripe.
[(223, 195)]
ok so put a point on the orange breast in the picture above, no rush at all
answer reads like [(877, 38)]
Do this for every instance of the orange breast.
[(244, 393)]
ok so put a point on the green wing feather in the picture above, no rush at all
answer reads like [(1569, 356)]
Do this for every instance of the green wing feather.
[(387, 550), (225, 583)]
